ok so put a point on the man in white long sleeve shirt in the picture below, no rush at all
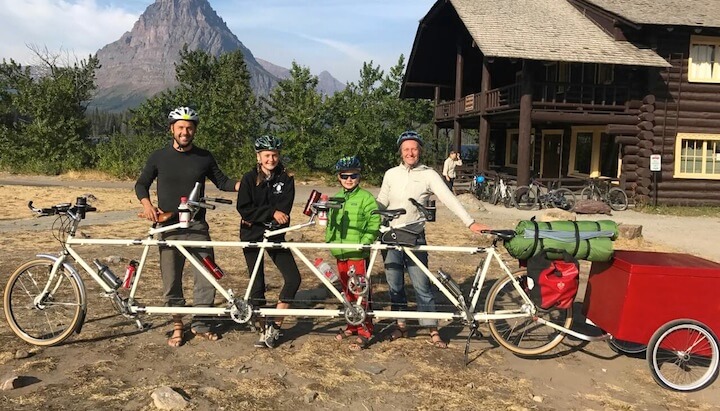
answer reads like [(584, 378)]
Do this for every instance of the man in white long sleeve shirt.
[(414, 180)]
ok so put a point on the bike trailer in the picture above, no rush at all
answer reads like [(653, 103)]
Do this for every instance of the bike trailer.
[(584, 240), (639, 291)]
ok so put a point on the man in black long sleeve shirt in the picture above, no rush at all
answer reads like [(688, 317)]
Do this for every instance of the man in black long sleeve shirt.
[(177, 167)]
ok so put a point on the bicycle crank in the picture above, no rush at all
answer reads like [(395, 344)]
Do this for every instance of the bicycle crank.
[(240, 311), (355, 315)]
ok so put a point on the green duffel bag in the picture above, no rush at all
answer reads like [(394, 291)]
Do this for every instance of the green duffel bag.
[(584, 240)]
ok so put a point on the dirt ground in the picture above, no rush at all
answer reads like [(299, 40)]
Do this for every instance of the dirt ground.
[(113, 365)]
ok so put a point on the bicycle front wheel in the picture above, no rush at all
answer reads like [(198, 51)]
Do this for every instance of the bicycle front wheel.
[(590, 193), (525, 198), (562, 198), (617, 198), (48, 320), (523, 334), (509, 200)]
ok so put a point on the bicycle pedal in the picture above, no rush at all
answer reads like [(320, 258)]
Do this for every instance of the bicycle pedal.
[(142, 326)]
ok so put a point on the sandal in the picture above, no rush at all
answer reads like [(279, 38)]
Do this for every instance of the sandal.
[(208, 335), (176, 339), (359, 344), (343, 334), (436, 340), (398, 333)]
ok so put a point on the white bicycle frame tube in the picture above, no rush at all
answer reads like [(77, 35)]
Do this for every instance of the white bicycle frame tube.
[(296, 248)]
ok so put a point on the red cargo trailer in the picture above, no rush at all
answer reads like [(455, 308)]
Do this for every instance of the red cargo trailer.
[(665, 301)]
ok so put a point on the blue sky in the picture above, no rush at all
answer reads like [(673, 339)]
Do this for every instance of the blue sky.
[(333, 35)]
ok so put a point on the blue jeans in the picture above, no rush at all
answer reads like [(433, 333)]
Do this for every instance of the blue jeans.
[(396, 262)]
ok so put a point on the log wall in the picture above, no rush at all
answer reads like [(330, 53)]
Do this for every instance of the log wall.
[(673, 105)]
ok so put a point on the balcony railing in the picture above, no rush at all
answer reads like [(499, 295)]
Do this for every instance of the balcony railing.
[(580, 95), (563, 96)]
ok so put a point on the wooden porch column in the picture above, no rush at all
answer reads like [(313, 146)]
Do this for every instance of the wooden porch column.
[(484, 132), (457, 134), (523, 170), (436, 129)]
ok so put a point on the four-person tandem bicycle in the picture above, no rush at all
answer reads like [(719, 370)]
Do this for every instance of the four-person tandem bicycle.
[(45, 300)]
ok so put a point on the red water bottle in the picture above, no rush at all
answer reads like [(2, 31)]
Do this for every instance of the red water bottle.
[(216, 271), (129, 274)]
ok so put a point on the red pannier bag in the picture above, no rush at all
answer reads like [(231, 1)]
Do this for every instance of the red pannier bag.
[(553, 284)]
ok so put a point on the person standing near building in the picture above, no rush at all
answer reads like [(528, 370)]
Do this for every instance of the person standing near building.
[(354, 223), (417, 181), (177, 167), (449, 165)]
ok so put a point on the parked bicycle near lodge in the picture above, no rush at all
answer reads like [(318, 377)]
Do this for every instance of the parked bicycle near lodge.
[(537, 194), (600, 189), (496, 190)]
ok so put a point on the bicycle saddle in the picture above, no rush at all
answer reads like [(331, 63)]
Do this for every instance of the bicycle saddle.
[(390, 213), (162, 217), (504, 235)]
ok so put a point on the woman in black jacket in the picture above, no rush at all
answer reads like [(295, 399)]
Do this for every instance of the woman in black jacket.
[(264, 201)]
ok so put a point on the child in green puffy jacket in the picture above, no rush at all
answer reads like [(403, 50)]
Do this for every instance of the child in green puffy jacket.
[(354, 223)]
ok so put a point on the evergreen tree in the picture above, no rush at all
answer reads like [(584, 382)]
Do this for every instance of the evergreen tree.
[(44, 125), (294, 109)]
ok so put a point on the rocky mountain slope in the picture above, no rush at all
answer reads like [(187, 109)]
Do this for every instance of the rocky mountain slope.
[(141, 63), (327, 84)]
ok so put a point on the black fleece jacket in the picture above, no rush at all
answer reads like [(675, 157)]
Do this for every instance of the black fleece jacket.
[(257, 203)]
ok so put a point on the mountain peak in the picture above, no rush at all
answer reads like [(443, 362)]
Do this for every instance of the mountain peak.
[(142, 62)]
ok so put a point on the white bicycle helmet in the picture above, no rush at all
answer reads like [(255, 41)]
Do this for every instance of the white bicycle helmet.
[(183, 113)]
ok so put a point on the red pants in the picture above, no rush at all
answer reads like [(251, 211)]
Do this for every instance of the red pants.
[(365, 329)]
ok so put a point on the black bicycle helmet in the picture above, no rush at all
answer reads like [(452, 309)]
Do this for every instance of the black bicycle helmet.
[(267, 142), (183, 113), (409, 135), (348, 163)]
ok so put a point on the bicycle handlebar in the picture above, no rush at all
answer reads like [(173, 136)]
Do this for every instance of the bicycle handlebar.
[(217, 200), (81, 207), (425, 212), (201, 204)]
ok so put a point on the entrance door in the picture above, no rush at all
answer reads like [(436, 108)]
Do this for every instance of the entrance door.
[(551, 154)]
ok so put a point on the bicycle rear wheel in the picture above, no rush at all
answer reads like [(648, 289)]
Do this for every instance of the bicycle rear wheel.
[(525, 198), (51, 320), (617, 198), (523, 334)]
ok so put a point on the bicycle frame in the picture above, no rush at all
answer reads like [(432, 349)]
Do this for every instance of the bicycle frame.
[(464, 313), (240, 310)]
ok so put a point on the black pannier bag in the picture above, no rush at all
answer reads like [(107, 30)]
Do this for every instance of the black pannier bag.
[(553, 283), (407, 236)]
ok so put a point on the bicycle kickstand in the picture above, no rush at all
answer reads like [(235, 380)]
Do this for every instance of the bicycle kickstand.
[(473, 331)]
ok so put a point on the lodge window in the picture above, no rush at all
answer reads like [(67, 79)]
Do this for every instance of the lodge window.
[(512, 142), (593, 153), (604, 74), (704, 61), (697, 156)]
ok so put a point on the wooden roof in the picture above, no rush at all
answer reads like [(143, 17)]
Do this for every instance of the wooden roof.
[(704, 13), (551, 30)]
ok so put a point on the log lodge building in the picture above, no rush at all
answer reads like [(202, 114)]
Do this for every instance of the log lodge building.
[(580, 88)]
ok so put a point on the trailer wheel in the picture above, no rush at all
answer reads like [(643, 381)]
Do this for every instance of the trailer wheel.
[(683, 355)]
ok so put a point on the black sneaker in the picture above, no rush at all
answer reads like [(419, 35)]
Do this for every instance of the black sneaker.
[(272, 334)]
